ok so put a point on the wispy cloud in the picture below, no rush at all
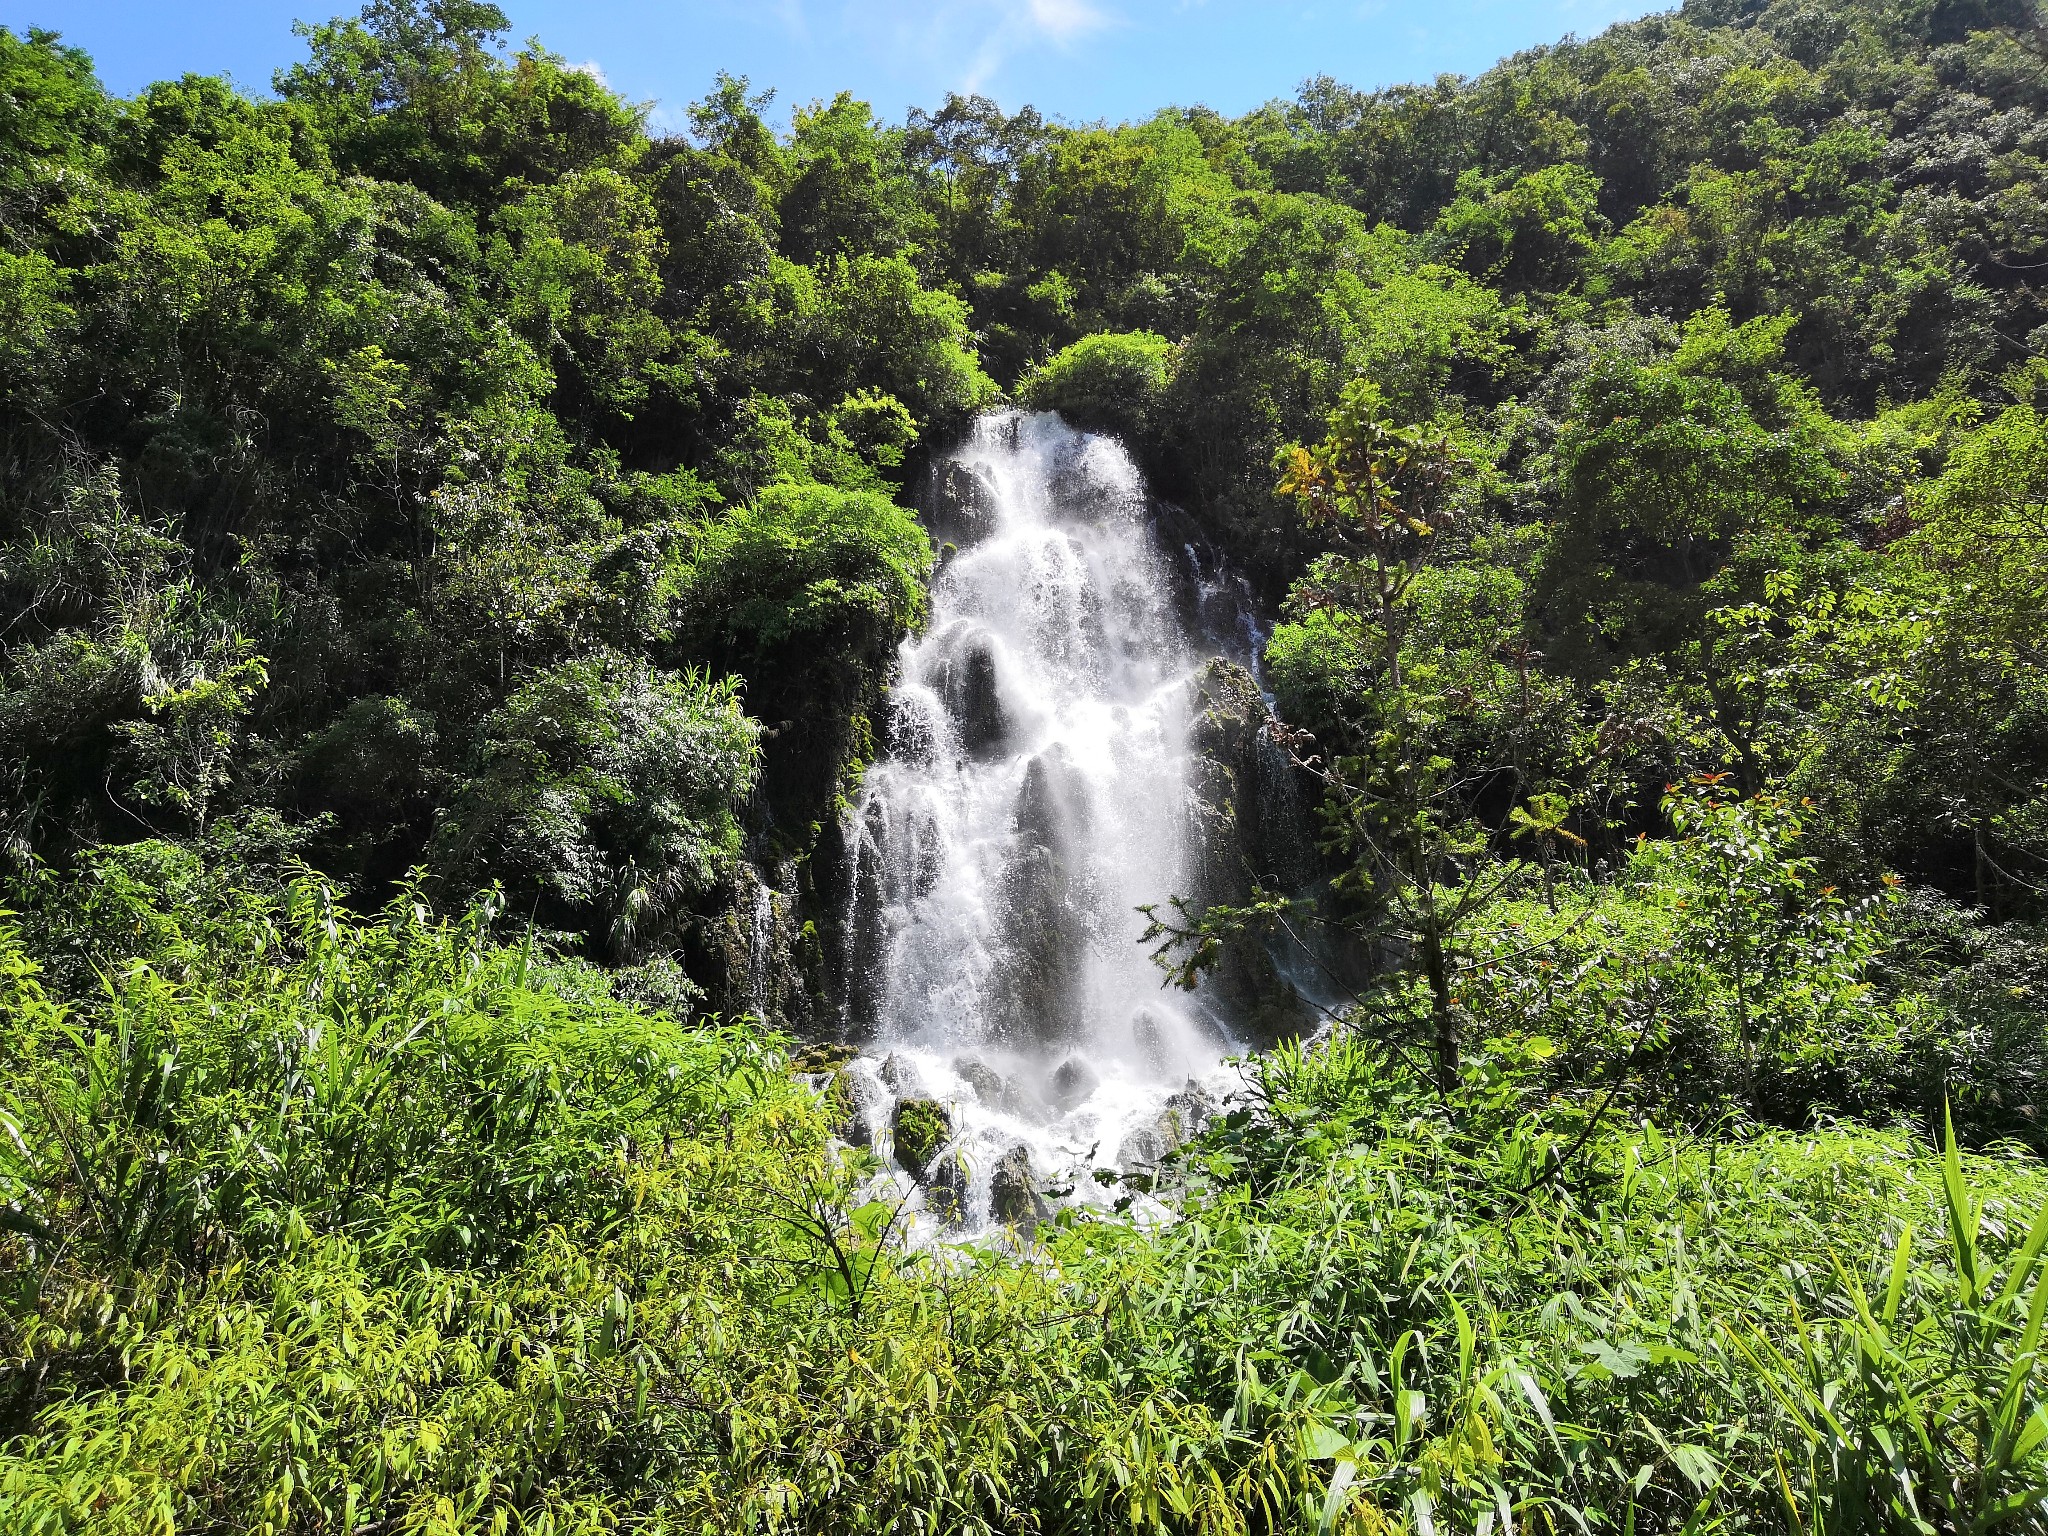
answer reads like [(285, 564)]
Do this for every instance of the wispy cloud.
[(1008, 30), (964, 42), (1064, 20)]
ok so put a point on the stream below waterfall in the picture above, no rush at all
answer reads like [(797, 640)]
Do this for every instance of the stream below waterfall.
[(1035, 792)]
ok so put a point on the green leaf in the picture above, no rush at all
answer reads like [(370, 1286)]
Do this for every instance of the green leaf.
[(1323, 1442), (1696, 1464)]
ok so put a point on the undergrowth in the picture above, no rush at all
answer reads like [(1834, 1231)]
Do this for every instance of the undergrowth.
[(317, 1223)]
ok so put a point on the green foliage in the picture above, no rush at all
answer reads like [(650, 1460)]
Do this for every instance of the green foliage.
[(1111, 382), (431, 468), (315, 1219), (812, 566), (606, 794), (1749, 910), (1385, 497), (848, 192), (400, 1084), (429, 374), (1525, 231), (1620, 1349), (921, 1127), (1666, 469)]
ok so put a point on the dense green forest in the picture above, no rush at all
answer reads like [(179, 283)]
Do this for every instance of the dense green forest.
[(453, 545)]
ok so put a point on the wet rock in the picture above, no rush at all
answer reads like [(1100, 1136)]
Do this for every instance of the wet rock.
[(962, 506), (1247, 828), (1035, 991), (900, 1077), (967, 682), (753, 950), (919, 1130), (864, 938), (1185, 1115), (945, 1190), (1082, 491), (1072, 1081), (902, 855), (1013, 1197), (841, 1099), (1142, 1151), (1214, 601), (850, 1125), (822, 1056), (858, 1102), (1179, 1121), (989, 1085), (1047, 903), (1239, 838), (1053, 808), (1002, 1094)]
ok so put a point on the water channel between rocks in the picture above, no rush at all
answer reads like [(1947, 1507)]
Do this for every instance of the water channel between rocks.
[(1042, 781)]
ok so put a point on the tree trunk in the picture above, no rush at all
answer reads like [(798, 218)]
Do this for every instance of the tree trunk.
[(1443, 1020)]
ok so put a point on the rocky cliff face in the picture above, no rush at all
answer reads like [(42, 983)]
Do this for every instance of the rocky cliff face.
[(958, 505), (761, 954), (1248, 830)]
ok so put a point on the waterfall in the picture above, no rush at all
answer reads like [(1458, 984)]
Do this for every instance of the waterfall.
[(1034, 794)]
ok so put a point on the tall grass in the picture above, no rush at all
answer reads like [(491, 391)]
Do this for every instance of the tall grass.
[(320, 1224)]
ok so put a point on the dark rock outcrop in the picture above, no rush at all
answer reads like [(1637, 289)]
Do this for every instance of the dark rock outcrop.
[(959, 505), (967, 683), (1185, 1116), (1248, 829), (1013, 1197), (945, 1190), (1071, 1083), (1048, 907), (757, 956), (989, 1085), (1178, 1122), (900, 1077), (1142, 1151), (1005, 1095)]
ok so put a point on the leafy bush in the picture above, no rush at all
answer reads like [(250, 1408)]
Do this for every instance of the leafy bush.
[(830, 570), (1108, 382), (607, 792)]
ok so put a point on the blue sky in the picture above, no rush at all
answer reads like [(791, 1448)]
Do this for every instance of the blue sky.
[(1076, 59)]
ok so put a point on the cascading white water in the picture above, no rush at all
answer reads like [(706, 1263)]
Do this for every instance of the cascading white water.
[(1035, 794)]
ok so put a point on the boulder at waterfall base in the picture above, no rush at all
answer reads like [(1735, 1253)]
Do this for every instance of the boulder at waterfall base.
[(1072, 1081), (920, 1128), (1013, 1197)]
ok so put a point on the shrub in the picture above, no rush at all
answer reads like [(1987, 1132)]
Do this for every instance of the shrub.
[(1108, 382), (605, 796)]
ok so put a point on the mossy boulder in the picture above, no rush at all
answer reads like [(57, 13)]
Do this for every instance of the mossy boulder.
[(1014, 1199), (920, 1128)]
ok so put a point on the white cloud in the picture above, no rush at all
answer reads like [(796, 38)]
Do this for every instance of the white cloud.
[(1064, 20), (963, 42), (1008, 30)]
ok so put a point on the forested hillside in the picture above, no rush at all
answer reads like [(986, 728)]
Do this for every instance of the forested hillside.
[(454, 542)]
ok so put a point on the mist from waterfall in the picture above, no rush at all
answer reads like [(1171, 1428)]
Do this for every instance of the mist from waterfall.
[(1034, 794)]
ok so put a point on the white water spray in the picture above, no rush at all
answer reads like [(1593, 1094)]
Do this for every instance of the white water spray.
[(1035, 794)]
